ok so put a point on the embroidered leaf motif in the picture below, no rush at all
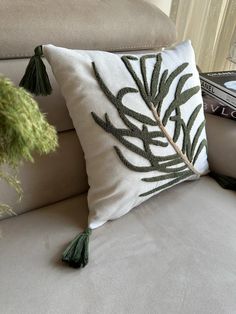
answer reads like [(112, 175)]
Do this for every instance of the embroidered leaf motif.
[(171, 168)]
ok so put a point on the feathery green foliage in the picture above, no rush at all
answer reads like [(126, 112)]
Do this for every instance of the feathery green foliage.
[(23, 130)]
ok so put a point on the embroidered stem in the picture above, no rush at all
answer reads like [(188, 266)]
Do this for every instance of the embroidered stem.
[(172, 143)]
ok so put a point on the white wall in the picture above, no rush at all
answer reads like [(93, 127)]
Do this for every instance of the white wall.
[(164, 5)]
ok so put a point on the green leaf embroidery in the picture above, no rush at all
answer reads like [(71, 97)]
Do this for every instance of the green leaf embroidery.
[(153, 94)]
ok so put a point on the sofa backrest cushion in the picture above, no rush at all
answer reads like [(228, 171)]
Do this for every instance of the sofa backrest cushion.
[(83, 24)]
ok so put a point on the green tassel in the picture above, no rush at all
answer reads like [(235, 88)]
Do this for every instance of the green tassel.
[(35, 79), (76, 254)]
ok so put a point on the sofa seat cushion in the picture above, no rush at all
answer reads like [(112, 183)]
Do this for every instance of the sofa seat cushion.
[(175, 253)]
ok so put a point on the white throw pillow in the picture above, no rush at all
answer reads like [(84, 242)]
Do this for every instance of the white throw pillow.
[(139, 119)]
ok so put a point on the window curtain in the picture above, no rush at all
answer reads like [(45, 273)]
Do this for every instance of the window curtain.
[(211, 26)]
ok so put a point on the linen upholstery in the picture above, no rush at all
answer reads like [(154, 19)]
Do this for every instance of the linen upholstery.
[(221, 134), (173, 254), (83, 24)]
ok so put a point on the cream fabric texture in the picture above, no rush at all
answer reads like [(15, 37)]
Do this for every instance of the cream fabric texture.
[(115, 188)]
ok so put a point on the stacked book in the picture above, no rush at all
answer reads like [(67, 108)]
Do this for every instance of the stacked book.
[(219, 93)]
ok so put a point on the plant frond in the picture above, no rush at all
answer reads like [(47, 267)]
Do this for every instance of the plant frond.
[(196, 138), (136, 79), (200, 148), (166, 176), (168, 184), (173, 167), (144, 71), (155, 76), (180, 100)]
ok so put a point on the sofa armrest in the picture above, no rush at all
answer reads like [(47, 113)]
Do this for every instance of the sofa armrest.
[(221, 135)]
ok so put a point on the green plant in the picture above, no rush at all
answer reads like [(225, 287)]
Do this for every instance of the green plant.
[(23, 130), (153, 93)]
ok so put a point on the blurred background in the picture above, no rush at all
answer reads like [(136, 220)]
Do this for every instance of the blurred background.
[(211, 26)]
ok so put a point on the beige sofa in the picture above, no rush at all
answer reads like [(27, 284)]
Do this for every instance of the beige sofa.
[(175, 253)]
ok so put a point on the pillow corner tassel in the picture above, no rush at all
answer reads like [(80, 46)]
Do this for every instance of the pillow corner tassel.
[(35, 79), (76, 254)]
